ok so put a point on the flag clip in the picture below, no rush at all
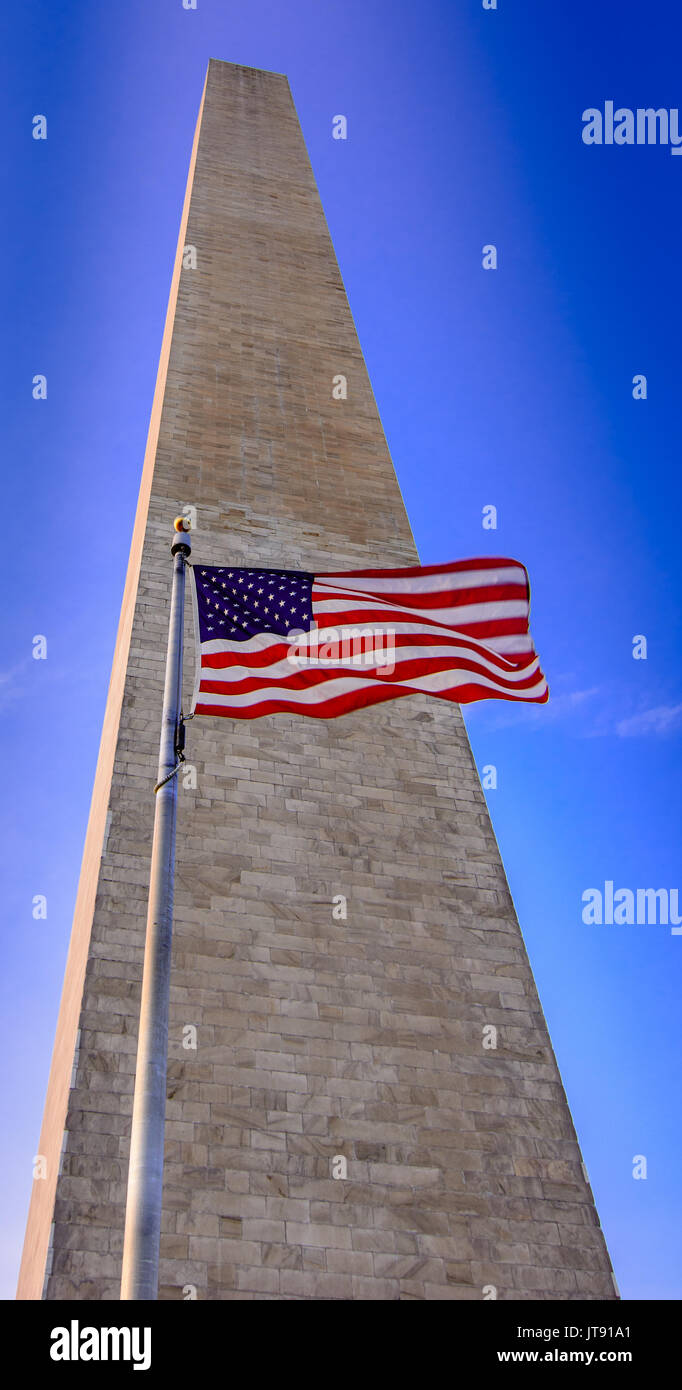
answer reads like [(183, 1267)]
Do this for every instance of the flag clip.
[(178, 749)]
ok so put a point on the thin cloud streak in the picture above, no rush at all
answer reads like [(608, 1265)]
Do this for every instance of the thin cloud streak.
[(658, 721)]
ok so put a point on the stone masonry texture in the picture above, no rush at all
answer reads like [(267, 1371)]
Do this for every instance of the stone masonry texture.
[(316, 1037)]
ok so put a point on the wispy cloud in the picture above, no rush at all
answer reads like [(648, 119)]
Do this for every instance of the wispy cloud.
[(595, 712), (658, 721), (12, 681), (568, 701), (505, 715), (11, 673)]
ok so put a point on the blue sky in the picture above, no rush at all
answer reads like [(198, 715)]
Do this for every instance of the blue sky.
[(511, 388)]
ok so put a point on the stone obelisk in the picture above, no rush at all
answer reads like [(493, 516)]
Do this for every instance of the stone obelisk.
[(363, 1101)]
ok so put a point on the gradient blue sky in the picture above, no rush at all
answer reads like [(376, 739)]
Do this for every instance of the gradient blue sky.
[(512, 388)]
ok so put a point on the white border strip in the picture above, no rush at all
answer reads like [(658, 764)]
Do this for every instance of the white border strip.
[(197, 642)]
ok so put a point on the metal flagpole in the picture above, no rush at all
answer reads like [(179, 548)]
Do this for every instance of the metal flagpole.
[(140, 1276)]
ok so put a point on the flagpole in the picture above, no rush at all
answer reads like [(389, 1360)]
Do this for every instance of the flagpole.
[(140, 1274)]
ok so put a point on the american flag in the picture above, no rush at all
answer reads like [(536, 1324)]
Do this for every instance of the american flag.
[(324, 644)]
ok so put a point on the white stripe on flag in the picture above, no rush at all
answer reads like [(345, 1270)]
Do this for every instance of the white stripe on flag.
[(435, 683), (425, 583), (284, 668), (470, 613)]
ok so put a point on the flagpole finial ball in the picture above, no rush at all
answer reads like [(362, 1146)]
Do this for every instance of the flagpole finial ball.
[(182, 524)]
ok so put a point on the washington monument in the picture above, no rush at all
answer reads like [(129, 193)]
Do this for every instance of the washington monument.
[(362, 1098)]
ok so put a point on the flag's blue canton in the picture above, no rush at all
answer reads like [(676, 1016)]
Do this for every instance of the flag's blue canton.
[(237, 604)]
